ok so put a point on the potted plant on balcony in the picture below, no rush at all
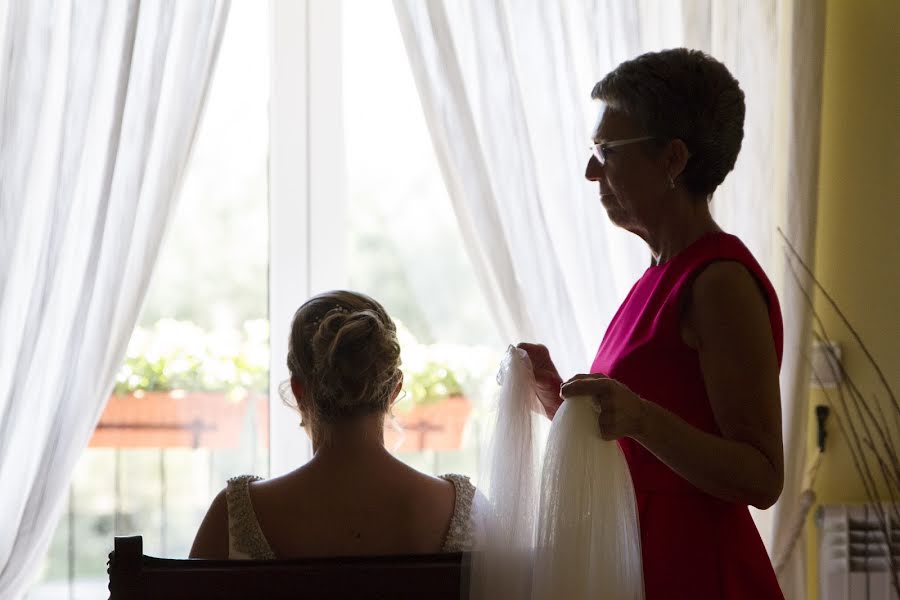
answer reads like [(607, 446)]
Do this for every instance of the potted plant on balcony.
[(182, 386)]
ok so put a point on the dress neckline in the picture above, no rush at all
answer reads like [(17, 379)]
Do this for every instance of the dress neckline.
[(688, 249)]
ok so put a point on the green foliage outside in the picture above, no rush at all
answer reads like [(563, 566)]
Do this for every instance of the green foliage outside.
[(434, 382), (179, 355)]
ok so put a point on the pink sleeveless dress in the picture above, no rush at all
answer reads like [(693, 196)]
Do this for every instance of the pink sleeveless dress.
[(694, 545)]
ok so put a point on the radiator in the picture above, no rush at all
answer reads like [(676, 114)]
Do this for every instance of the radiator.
[(854, 553)]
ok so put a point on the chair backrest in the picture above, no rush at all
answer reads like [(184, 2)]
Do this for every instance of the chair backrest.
[(133, 576)]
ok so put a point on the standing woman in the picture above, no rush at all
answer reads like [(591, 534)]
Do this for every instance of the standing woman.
[(686, 377)]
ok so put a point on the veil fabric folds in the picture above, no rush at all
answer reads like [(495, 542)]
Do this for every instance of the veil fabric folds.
[(557, 523)]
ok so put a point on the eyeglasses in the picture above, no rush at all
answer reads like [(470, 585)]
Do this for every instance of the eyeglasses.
[(600, 149)]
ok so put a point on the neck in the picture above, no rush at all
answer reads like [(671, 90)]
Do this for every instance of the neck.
[(684, 223), (362, 435)]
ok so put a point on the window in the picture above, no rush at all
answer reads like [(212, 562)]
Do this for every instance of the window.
[(190, 407), (319, 176), (404, 249)]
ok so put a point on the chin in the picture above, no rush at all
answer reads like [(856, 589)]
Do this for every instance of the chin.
[(614, 214), (622, 222)]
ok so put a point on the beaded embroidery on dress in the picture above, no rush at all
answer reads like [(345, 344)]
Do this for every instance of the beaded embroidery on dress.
[(245, 538), (459, 533)]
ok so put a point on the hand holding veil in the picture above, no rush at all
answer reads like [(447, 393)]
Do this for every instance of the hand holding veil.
[(557, 524)]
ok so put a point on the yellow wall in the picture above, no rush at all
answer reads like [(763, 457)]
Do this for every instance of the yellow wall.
[(858, 231)]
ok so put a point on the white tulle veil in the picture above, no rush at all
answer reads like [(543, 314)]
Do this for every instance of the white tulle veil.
[(557, 523)]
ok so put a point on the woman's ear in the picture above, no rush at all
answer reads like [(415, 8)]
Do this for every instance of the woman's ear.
[(299, 395), (677, 157), (398, 388), (297, 389)]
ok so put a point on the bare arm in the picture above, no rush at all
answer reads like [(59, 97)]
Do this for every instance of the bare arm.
[(728, 324), (212, 537)]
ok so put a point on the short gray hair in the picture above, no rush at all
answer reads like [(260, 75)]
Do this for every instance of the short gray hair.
[(684, 94)]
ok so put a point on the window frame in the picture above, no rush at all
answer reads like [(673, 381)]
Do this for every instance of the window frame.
[(307, 189)]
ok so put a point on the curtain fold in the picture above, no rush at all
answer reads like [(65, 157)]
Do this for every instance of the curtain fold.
[(99, 105), (505, 88), (511, 148), (802, 42)]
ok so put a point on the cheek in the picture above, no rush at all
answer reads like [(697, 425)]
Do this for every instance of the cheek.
[(634, 182), (622, 183), (613, 178)]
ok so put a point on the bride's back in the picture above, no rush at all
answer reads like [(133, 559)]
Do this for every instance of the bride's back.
[(372, 505), (353, 497)]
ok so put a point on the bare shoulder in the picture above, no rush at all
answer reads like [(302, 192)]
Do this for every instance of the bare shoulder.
[(436, 500), (437, 487), (432, 497), (211, 540), (729, 321), (724, 295), (276, 494), (727, 274)]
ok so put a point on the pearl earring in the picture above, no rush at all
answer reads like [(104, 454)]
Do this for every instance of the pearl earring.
[(671, 183)]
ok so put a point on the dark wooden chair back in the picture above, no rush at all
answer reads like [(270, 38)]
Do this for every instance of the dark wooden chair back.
[(133, 576)]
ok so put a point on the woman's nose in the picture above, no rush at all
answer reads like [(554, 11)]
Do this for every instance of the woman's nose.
[(594, 170)]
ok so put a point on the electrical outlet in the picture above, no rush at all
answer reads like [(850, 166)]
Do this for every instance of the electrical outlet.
[(827, 371)]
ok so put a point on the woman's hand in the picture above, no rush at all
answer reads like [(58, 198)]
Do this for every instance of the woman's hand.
[(622, 412), (545, 376)]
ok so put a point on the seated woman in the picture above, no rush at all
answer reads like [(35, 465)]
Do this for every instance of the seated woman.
[(353, 497)]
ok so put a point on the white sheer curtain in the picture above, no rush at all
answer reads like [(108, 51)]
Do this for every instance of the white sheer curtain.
[(505, 88), (506, 93), (99, 104), (801, 36)]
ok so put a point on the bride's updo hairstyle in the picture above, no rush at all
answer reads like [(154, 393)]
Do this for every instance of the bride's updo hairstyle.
[(345, 355)]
